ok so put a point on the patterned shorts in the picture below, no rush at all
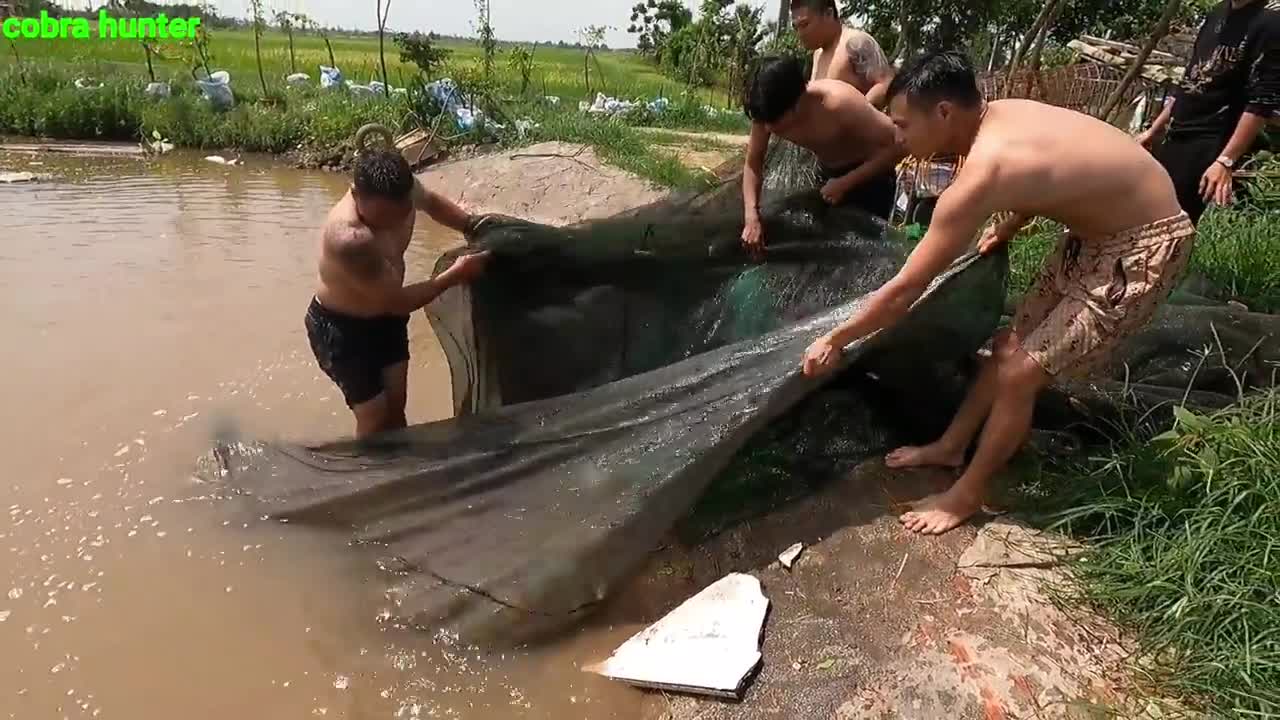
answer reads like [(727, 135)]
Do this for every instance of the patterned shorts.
[(1093, 293)]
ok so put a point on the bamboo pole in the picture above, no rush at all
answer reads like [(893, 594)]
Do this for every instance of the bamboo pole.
[(1157, 33), (1027, 40), (1037, 52)]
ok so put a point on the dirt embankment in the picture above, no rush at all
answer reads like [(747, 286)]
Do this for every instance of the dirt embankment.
[(554, 183)]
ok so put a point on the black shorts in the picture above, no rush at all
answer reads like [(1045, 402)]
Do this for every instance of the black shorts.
[(876, 195), (353, 351)]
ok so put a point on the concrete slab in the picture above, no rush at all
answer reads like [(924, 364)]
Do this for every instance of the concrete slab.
[(708, 645)]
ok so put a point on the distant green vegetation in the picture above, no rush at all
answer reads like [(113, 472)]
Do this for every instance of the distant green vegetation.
[(38, 95), (557, 71)]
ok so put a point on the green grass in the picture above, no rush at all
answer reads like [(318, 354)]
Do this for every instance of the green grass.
[(37, 97), (1237, 250), (710, 144), (558, 71), (1184, 548), (42, 101), (624, 146)]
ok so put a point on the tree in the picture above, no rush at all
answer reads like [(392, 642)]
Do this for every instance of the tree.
[(421, 50), (259, 25), (304, 22), (655, 22), (1034, 36), (382, 34), (592, 38), (521, 62), (1171, 9), (197, 51), (486, 37), (135, 8), (286, 21), (715, 29), (746, 33)]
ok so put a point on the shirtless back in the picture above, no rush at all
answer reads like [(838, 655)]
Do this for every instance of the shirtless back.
[(837, 124), (1039, 160)]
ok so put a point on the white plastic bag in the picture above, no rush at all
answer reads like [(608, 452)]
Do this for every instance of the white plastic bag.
[(330, 77), (217, 90), (298, 79), (158, 89)]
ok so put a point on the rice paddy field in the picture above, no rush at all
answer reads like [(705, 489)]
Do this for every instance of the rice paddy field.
[(559, 71)]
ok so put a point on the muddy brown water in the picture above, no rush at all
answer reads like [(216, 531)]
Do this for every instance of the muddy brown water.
[(142, 300)]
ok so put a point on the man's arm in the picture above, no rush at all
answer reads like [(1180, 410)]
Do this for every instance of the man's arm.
[(879, 92), (1264, 94), (439, 208), (1245, 134), (753, 171), (752, 183), (1148, 137), (854, 109), (370, 276), (869, 64), (961, 210), (883, 159)]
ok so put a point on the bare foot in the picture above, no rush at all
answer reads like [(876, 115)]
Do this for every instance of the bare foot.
[(940, 513), (934, 455)]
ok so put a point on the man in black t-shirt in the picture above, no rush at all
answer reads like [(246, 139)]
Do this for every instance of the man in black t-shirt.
[(1230, 90)]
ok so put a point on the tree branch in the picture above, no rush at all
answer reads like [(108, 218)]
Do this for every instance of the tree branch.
[(1157, 34)]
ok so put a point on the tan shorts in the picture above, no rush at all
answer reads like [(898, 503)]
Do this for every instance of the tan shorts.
[(1093, 293)]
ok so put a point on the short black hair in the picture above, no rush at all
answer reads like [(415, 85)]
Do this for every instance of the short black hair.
[(775, 87), (818, 6), (383, 173), (935, 77)]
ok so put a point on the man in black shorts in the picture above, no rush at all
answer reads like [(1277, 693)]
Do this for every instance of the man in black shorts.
[(358, 322)]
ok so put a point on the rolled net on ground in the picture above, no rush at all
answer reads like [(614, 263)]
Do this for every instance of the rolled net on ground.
[(605, 376), (1204, 356)]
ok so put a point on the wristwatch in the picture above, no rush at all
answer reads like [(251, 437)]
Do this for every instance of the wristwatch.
[(1225, 162)]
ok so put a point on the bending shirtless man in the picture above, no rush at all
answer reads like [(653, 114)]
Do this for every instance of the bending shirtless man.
[(358, 322), (855, 144), (1128, 242), (841, 52)]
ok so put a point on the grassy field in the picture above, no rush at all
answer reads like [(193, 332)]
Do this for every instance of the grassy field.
[(558, 71), (38, 97)]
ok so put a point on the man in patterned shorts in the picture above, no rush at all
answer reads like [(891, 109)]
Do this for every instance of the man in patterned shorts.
[(1127, 243)]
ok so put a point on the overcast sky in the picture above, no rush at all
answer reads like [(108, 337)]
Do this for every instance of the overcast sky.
[(519, 20)]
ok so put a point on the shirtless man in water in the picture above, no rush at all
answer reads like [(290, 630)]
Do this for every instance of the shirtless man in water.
[(855, 144), (358, 322), (1128, 242), (841, 52)]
